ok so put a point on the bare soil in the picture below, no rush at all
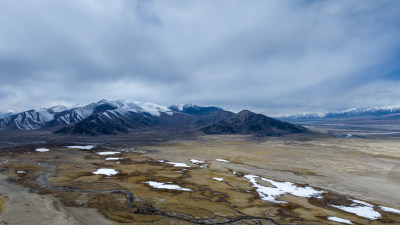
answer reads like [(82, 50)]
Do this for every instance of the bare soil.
[(62, 183)]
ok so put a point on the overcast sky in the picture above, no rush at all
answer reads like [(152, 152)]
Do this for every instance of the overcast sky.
[(273, 56)]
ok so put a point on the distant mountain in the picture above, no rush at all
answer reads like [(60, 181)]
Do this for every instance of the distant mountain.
[(113, 117), (380, 112), (365, 112), (5, 114), (246, 122), (365, 117)]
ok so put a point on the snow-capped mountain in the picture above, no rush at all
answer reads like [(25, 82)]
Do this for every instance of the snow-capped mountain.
[(303, 116), (61, 115), (5, 114), (387, 111), (28, 120), (110, 117), (378, 111)]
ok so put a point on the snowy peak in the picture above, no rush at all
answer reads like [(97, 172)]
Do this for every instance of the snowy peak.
[(137, 107), (349, 113), (199, 110), (57, 109), (61, 115), (5, 114), (121, 116), (362, 112), (154, 109), (28, 120)]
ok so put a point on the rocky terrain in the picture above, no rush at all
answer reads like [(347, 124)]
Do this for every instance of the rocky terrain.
[(246, 122), (115, 117)]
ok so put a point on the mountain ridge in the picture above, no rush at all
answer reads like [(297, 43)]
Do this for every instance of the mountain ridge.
[(113, 117), (349, 113), (247, 122)]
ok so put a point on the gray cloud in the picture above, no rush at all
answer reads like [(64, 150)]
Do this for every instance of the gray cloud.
[(270, 56)]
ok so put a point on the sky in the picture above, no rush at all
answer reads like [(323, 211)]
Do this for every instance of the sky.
[(274, 56)]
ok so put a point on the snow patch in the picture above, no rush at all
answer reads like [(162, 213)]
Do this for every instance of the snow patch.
[(195, 161), (42, 149), (82, 146), (218, 178), (161, 185), (360, 208), (388, 209), (20, 171), (221, 160), (178, 164), (113, 158), (108, 153), (272, 193), (108, 172), (340, 220)]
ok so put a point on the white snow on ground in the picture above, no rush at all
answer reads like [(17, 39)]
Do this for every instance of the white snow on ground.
[(113, 158), (108, 153), (178, 164), (82, 147), (221, 160), (20, 171), (160, 160), (340, 220), (218, 178), (388, 209), (360, 208), (281, 188), (161, 185), (42, 150), (108, 172), (362, 203), (195, 161)]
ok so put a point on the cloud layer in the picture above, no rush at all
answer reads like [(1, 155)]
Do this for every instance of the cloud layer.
[(275, 57)]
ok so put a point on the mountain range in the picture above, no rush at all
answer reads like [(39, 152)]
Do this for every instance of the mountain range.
[(361, 116), (113, 117)]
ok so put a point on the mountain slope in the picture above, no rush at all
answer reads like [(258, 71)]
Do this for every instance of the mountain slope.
[(60, 116), (246, 122), (28, 120), (108, 122), (119, 120), (5, 114), (113, 117)]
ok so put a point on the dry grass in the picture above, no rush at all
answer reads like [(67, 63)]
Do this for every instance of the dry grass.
[(332, 164)]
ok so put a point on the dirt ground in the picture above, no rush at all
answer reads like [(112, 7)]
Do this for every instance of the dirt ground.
[(60, 184)]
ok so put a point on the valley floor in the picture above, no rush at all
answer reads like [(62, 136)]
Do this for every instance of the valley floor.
[(205, 180)]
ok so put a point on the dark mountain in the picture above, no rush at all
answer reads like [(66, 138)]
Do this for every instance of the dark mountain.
[(113, 117), (100, 123), (204, 115), (246, 122), (111, 123)]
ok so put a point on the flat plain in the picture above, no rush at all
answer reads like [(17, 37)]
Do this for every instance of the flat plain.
[(202, 179)]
